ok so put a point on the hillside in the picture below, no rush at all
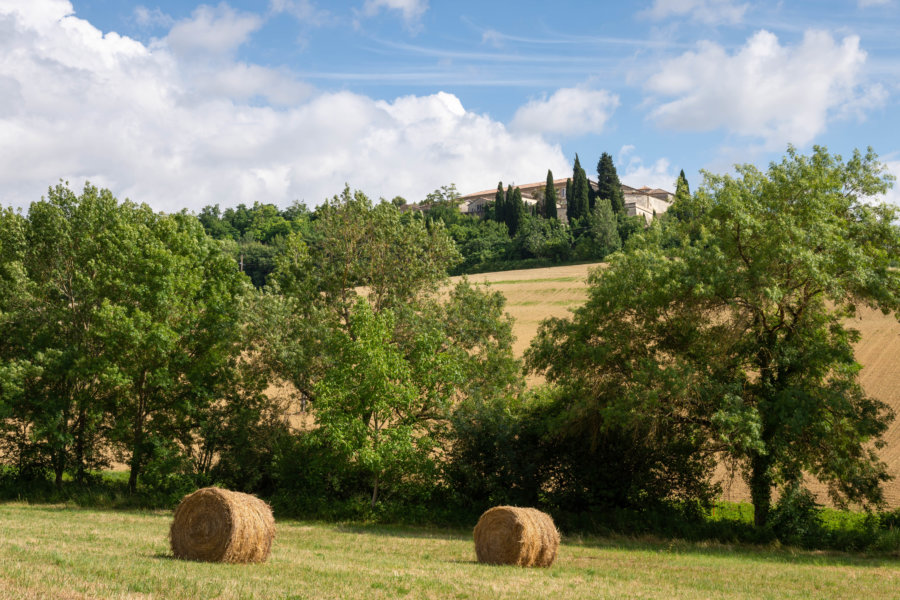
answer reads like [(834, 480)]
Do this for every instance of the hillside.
[(537, 294)]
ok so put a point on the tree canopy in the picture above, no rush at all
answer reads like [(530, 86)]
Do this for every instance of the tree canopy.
[(732, 328)]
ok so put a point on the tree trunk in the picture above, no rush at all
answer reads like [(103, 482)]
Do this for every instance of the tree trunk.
[(59, 466), (375, 491), (760, 488), (137, 441)]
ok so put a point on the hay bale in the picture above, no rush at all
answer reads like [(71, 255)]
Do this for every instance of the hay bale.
[(216, 525), (510, 535)]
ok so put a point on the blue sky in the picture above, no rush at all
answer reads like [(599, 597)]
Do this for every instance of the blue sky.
[(183, 104)]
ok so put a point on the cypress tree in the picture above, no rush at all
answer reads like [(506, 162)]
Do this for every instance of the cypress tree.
[(499, 200), (516, 210), (608, 184), (568, 196), (549, 204), (579, 203), (682, 189)]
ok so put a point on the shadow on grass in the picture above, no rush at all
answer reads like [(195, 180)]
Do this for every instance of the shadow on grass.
[(748, 552), (402, 531)]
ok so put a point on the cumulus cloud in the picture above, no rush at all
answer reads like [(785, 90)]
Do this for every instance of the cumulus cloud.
[(142, 120), (709, 12), (569, 111), (635, 173), (766, 90), (212, 30), (412, 10)]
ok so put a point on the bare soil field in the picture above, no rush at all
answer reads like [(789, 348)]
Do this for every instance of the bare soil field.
[(536, 294)]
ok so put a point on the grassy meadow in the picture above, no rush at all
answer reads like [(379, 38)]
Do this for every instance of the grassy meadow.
[(58, 552)]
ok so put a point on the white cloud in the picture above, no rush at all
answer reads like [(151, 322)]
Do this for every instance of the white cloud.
[(212, 30), (765, 90), (709, 12), (303, 10), (412, 10), (569, 111), (633, 172), (146, 17), (147, 123), (893, 194)]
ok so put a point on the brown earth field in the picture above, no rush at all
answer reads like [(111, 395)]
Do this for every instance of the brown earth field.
[(536, 294)]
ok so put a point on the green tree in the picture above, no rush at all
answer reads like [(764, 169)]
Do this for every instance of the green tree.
[(500, 204), (578, 202), (601, 236), (681, 206), (740, 337), (356, 321), (608, 185), (119, 323), (515, 210), (549, 198)]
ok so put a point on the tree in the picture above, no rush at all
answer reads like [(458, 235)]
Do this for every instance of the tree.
[(357, 322), (739, 337), (515, 210), (549, 198), (500, 204), (578, 203), (121, 321), (682, 189), (681, 207), (608, 185), (601, 236)]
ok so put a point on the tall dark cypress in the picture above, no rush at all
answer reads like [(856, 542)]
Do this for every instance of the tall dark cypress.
[(516, 211), (508, 208), (568, 195), (608, 184), (499, 200), (579, 202), (549, 200)]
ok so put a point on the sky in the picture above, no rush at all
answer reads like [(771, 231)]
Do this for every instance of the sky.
[(180, 104)]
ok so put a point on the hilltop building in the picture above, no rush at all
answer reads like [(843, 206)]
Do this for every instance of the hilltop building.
[(643, 201)]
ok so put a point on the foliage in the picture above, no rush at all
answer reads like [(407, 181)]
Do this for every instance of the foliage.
[(608, 185), (355, 321), (738, 337), (600, 236), (578, 198), (118, 324), (549, 198)]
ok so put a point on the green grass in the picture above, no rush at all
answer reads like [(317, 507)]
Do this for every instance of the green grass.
[(54, 551)]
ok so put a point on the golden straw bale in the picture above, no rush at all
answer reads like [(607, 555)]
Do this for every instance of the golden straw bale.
[(510, 535), (216, 525)]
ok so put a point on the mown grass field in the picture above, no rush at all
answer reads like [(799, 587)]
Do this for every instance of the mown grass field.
[(59, 552)]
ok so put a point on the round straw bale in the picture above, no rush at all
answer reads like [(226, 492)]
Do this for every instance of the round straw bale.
[(510, 535), (216, 525)]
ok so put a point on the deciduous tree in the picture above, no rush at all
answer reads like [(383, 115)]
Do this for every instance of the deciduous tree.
[(740, 336)]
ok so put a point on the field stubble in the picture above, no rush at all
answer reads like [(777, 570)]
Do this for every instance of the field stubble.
[(58, 552)]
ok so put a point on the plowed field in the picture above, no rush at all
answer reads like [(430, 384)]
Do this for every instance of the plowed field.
[(536, 294)]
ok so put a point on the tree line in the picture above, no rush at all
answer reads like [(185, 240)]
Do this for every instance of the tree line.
[(718, 333), (509, 234)]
